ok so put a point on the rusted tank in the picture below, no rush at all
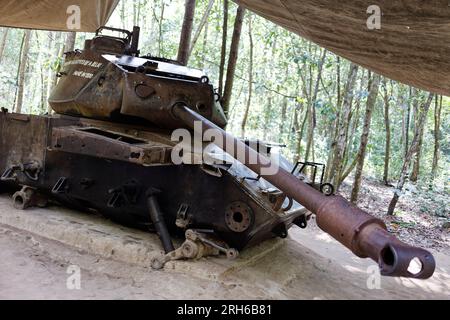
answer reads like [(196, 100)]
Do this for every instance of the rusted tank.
[(110, 148)]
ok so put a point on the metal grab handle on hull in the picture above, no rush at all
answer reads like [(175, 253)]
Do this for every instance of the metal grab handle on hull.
[(363, 234)]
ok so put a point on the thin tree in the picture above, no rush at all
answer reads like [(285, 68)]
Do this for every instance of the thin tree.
[(224, 46), (437, 135), (267, 116), (416, 162), (56, 66), (22, 70), (312, 121), (186, 32), (411, 152), (353, 124), (3, 42), (283, 125), (160, 27), (70, 41), (387, 125), (250, 78), (352, 136), (335, 125), (300, 129), (338, 157), (200, 27), (136, 12), (205, 45), (39, 65), (407, 119), (232, 60), (122, 15), (370, 105)]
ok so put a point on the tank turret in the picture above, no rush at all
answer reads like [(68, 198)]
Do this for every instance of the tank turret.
[(109, 81)]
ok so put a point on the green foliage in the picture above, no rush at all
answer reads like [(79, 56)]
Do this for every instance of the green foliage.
[(285, 69)]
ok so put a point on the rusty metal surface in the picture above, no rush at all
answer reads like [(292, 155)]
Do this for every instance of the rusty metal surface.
[(89, 86), (117, 188), (129, 89), (22, 139), (162, 94), (365, 235), (107, 144)]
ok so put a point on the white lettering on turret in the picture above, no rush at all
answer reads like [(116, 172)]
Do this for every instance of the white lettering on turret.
[(86, 63), (83, 74)]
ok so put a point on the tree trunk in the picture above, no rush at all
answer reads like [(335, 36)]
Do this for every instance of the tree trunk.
[(202, 24), (283, 124), (408, 120), (205, 45), (250, 78), (138, 18), (387, 125), (122, 15), (437, 136), (416, 166), (371, 101), (349, 170), (333, 140), (136, 12), (70, 42), (232, 60), (336, 171), (353, 124), (224, 46), (312, 107), (186, 32), (267, 116), (22, 70), (403, 106), (300, 136), (338, 76), (411, 152), (53, 79), (160, 28), (284, 109), (3, 42)]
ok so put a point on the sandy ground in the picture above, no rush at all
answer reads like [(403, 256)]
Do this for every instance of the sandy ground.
[(420, 216), (307, 265)]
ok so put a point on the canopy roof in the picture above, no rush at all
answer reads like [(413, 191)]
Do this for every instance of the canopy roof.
[(53, 14), (412, 46)]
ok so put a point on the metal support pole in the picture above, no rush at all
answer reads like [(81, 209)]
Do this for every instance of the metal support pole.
[(158, 221)]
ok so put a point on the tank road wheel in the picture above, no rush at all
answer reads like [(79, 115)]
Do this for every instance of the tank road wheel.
[(327, 189)]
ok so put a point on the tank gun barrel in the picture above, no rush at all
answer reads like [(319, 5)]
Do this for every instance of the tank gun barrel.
[(360, 232)]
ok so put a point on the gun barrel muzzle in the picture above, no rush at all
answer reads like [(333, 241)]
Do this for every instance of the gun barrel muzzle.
[(367, 236)]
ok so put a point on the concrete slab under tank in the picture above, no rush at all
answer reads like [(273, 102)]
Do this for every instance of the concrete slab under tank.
[(99, 236), (307, 265)]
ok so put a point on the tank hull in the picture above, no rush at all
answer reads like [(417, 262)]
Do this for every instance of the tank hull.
[(108, 168)]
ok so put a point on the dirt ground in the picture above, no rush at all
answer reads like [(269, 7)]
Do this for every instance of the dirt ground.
[(421, 218), (307, 265)]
